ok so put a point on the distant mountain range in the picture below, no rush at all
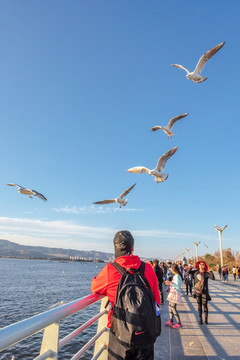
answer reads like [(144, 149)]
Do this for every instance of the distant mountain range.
[(11, 249)]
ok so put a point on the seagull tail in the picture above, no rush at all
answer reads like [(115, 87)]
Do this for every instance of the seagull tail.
[(202, 79), (162, 178)]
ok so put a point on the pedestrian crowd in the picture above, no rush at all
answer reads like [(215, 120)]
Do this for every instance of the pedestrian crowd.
[(135, 290), (224, 272)]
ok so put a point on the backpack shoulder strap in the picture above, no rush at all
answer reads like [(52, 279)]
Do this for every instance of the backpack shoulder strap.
[(141, 268), (123, 271), (119, 268)]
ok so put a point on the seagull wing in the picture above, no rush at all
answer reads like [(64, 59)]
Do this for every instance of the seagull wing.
[(139, 170), (12, 184), (155, 128), (110, 201), (181, 67), (224, 227), (202, 61), (127, 191), (174, 119), (216, 227), (35, 193), (164, 158)]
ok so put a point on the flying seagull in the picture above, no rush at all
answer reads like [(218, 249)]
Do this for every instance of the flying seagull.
[(28, 192), (220, 229), (157, 172), (120, 199), (167, 129), (196, 74)]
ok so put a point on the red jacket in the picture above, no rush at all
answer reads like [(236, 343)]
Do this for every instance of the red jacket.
[(106, 281)]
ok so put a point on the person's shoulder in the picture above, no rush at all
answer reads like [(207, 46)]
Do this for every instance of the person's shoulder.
[(107, 268), (109, 265), (148, 266)]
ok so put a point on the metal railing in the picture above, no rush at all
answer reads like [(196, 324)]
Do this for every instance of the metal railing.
[(49, 322)]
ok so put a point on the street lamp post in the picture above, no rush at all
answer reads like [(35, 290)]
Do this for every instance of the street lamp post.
[(187, 250), (196, 244), (220, 230)]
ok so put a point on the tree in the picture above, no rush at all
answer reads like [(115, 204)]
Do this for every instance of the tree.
[(228, 257), (210, 260)]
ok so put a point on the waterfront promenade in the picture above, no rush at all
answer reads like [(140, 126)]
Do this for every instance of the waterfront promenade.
[(220, 340)]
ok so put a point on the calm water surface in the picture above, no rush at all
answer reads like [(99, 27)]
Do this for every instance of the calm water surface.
[(29, 287)]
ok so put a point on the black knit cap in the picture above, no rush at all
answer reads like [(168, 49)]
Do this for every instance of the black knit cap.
[(123, 242)]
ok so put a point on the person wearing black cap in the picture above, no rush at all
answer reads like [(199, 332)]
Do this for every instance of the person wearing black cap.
[(106, 283)]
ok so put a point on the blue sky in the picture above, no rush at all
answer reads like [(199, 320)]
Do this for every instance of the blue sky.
[(81, 85)]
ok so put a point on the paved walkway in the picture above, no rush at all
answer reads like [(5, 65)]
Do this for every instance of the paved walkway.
[(220, 340)]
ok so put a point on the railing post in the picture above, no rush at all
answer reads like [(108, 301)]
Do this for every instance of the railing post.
[(50, 341), (104, 338)]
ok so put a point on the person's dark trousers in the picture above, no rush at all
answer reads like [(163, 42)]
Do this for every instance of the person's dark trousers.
[(202, 303), (190, 286), (234, 276), (117, 351), (161, 293)]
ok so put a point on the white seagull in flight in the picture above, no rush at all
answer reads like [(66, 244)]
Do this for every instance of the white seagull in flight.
[(167, 129), (120, 200), (28, 192), (157, 172), (196, 74)]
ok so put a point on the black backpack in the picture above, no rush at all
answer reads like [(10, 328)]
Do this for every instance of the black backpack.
[(134, 321)]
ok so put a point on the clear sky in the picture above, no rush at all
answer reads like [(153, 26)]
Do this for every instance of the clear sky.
[(81, 85)]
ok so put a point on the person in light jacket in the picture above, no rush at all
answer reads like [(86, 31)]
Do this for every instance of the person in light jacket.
[(174, 296)]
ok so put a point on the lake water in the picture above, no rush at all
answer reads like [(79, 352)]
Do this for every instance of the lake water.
[(29, 287)]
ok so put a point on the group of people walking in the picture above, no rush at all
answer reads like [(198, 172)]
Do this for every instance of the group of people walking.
[(236, 273), (135, 292), (223, 273)]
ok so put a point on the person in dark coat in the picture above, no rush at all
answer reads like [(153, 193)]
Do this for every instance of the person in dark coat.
[(220, 272), (164, 268), (202, 273), (225, 274), (188, 279), (159, 273)]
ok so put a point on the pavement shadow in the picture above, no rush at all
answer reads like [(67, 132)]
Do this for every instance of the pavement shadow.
[(200, 342), (220, 297)]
